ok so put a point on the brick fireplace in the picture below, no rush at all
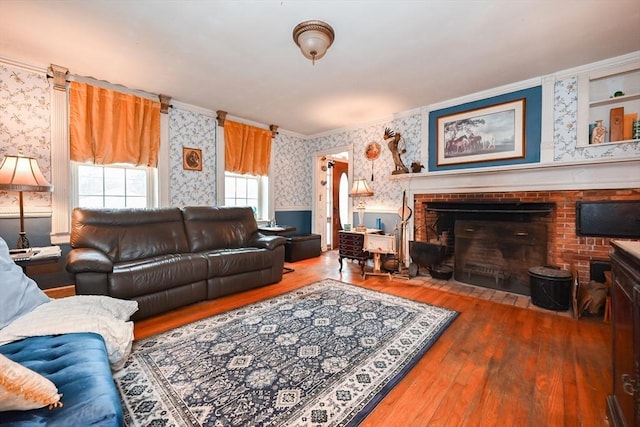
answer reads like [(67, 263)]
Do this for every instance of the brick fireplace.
[(565, 248)]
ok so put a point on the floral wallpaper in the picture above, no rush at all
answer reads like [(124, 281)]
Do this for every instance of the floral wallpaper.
[(25, 125), (192, 130), (293, 162), (291, 168), (565, 132)]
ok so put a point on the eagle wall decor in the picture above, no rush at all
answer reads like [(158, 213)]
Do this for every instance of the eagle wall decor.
[(393, 139)]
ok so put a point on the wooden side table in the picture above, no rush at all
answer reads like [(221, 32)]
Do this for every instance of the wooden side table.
[(277, 230), (46, 255), (350, 246), (378, 244)]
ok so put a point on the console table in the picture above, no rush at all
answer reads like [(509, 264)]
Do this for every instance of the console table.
[(350, 245)]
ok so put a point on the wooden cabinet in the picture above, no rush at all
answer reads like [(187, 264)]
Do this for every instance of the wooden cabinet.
[(350, 247), (623, 405)]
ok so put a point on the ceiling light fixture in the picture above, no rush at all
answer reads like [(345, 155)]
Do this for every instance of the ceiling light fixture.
[(313, 38)]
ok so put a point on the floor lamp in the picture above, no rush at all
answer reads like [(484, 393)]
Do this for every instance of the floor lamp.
[(18, 173), (360, 189)]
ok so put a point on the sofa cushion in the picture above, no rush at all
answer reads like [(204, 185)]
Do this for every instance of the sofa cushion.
[(210, 228), (129, 234), (226, 262), (77, 364), (150, 275)]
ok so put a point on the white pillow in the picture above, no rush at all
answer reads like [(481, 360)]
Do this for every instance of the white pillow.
[(19, 294), (22, 389), (97, 305)]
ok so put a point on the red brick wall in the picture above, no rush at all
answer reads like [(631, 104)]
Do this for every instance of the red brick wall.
[(566, 249)]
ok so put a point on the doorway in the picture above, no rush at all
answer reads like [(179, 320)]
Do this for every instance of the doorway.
[(331, 204), (338, 203)]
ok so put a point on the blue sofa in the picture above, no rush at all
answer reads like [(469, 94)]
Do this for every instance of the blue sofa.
[(77, 364)]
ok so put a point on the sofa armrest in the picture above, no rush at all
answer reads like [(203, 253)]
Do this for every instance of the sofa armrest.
[(259, 240), (87, 260)]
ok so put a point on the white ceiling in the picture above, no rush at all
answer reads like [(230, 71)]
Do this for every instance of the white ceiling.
[(388, 56)]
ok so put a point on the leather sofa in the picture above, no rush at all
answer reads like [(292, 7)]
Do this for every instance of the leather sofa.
[(167, 258)]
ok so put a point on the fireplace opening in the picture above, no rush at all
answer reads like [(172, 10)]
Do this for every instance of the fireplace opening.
[(498, 254), (493, 244)]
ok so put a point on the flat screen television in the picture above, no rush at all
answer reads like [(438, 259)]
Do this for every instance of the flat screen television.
[(608, 219)]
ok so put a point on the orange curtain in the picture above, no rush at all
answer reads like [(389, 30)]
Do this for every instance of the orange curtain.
[(108, 127), (247, 149)]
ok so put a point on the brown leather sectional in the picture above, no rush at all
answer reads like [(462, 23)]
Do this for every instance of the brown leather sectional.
[(167, 258)]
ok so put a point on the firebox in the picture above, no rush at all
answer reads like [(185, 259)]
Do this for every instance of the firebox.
[(498, 254), (494, 244)]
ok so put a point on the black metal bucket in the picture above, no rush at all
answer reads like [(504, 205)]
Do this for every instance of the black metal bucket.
[(425, 254)]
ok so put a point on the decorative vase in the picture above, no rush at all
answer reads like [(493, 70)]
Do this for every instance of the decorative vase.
[(599, 132)]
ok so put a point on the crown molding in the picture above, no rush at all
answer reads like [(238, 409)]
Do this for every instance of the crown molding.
[(23, 66), (618, 61)]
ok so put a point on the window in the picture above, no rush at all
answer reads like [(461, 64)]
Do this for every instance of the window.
[(247, 190), (114, 186)]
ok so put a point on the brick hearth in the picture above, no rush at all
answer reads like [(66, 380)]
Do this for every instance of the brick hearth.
[(566, 249)]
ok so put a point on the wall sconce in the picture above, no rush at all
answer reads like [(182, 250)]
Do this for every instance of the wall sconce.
[(313, 38), (361, 189), (18, 173)]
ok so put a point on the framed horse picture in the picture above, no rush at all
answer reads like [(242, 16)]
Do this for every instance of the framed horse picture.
[(493, 132)]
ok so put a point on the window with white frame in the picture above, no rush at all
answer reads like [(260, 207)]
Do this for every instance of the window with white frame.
[(247, 190), (113, 186)]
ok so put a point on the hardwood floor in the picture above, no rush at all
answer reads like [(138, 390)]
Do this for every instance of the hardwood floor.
[(496, 365)]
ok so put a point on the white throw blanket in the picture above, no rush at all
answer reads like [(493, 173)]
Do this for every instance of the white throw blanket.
[(103, 315)]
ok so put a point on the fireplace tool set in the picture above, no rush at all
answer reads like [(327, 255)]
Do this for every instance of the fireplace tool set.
[(428, 255)]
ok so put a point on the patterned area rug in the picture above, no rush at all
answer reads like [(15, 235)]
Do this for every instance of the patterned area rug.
[(321, 355)]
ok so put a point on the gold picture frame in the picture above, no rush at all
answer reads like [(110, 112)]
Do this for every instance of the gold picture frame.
[(490, 133), (191, 159)]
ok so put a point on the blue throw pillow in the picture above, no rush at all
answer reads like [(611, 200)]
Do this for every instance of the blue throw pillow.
[(19, 293)]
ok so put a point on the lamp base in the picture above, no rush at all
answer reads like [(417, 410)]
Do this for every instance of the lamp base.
[(23, 241)]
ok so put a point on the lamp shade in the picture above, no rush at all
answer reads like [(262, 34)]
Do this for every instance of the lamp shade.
[(19, 173), (360, 188), (313, 38)]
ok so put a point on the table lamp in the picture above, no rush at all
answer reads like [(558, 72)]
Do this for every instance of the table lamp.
[(19, 173), (360, 189)]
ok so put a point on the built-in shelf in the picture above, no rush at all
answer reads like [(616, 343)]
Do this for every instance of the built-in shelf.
[(615, 100), (596, 100), (609, 143)]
